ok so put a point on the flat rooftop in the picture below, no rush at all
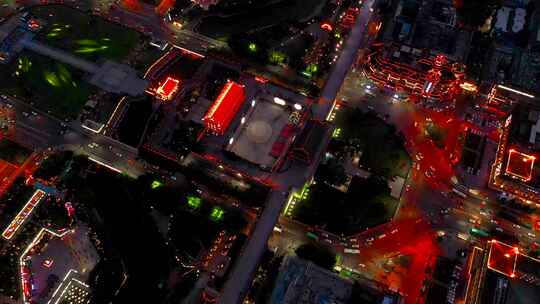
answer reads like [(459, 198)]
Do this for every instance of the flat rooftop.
[(503, 258), (300, 281), (257, 138), (520, 165), (61, 257)]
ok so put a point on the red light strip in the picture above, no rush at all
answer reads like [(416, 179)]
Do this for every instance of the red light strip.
[(219, 100)]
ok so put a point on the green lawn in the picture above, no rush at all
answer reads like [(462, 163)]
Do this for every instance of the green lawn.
[(50, 85), (382, 150), (56, 87), (91, 37)]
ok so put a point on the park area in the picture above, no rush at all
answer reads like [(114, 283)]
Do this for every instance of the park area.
[(93, 37), (382, 150), (52, 86), (88, 36), (354, 187), (366, 204), (58, 88), (132, 212)]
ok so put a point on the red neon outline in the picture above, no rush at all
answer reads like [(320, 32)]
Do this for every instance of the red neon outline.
[(525, 158), (168, 88)]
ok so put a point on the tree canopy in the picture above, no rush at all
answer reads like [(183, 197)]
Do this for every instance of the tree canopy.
[(474, 13), (319, 255)]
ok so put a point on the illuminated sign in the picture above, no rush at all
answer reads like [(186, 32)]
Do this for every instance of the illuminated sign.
[(469, 86), (326, 26), (279, 101)]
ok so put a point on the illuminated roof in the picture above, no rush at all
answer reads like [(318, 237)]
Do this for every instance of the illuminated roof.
[(23, 214), (260, 131), (71, 290), (520, 165), (168, 88), (502, 258), (224, 108)]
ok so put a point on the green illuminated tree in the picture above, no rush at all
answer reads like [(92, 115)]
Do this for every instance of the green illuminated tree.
[(277, 57)]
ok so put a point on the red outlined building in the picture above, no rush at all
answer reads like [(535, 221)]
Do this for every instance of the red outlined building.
[(502, 258), (224, 108), (520, 165), (167, 89)]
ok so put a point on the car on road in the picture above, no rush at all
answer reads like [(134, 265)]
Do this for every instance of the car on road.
[(474, 221)]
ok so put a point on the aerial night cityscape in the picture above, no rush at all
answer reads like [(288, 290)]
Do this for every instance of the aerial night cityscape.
[(270, 151)]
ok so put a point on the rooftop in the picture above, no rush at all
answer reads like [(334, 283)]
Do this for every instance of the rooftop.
[(264, 134), (301, 282), (502, 258)]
